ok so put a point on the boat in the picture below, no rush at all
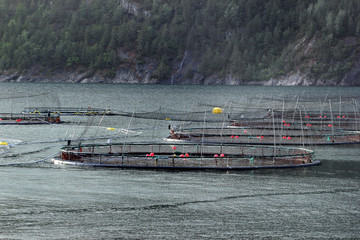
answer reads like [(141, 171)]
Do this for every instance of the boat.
[(184, 156)]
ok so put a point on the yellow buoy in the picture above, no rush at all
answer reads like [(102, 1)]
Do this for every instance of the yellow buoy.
[(110, 128), (217, 110), (4, 143)]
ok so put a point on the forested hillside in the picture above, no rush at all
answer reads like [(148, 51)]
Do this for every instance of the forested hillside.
[(184, 41)]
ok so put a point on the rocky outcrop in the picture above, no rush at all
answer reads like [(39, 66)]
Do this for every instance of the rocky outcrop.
[(184, 71), (292, 79), (344, 72), (133, 8), (302, 79), (144, 76), (352, 78), (129, 73)]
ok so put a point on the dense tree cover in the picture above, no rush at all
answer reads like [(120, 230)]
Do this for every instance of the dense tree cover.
[(249, 39)]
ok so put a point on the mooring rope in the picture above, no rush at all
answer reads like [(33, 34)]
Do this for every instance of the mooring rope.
[(28, 163)]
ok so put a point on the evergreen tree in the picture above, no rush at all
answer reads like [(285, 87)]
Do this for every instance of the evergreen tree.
[(246, 38)]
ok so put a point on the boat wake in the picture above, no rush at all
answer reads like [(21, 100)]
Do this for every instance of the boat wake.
[(174, 205), (180, 204)]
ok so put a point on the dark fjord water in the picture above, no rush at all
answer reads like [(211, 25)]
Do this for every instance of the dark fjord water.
[(44, 201)]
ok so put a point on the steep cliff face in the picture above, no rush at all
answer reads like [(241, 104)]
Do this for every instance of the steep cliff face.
[(308, 64), (186, 71), (301, 55), (310, 42), (298, 78), (141, 74)]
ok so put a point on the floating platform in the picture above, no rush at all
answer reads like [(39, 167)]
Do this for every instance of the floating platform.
[(185, 156)]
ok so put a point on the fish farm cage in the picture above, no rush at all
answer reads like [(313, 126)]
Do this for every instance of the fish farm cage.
[(24, 119), (266, 136), (185, 156)]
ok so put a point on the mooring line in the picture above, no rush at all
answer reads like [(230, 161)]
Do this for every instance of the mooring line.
[(28, 163)]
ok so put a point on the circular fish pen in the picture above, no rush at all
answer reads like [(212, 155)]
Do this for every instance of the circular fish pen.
[(267, 136), (28, 119), (185, 156), (339, 122)]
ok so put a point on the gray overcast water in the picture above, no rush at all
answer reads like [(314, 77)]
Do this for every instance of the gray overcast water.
[(46, 201)]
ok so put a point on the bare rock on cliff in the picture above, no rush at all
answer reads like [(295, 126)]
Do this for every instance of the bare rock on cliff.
[(9, 77), (292, 79), (352, 78), (133, 8)]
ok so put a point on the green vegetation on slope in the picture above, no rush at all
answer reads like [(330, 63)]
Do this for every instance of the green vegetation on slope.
[(247, 39)]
